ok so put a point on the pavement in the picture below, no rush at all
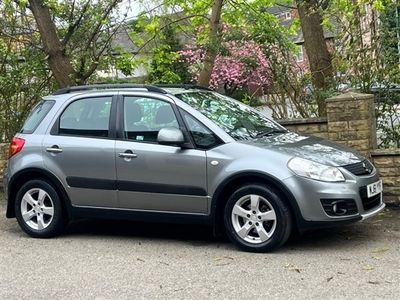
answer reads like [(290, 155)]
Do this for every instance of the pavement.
[(129, 260)]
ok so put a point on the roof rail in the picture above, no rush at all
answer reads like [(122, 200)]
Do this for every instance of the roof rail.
[(67, 90), (183, 86)]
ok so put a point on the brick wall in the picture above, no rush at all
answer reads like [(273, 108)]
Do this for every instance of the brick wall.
[(388, 163)]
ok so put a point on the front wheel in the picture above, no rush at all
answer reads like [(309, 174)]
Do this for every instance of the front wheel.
[(38, 209), (256, 219)]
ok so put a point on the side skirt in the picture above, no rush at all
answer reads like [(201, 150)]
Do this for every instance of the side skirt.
[(141, 216)]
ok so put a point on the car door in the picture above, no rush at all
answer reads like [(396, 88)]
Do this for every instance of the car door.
[(81, 151), (151, 176)]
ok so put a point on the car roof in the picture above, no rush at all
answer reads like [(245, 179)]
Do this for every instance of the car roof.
[(161, 88), (172, 89)]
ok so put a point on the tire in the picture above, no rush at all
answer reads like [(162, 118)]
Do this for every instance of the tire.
[(257, 219), (39, 210)]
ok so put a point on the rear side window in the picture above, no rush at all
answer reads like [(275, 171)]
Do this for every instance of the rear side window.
[(87, 117), (36, 116)]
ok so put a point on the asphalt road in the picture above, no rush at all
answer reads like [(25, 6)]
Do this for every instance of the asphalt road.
[(121, 260)]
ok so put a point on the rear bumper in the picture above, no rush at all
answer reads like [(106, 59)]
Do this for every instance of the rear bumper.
[(10, 209), (5, 185)]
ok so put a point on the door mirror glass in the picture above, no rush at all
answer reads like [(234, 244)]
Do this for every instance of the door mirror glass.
[(170, 136)]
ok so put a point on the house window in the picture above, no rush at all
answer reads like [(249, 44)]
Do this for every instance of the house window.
[(285, 15)]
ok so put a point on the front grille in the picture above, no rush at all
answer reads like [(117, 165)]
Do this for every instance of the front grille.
[(360, 168), (369, 203)]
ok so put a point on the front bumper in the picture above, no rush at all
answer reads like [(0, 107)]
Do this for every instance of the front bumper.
[(373, 212), (309, 193)]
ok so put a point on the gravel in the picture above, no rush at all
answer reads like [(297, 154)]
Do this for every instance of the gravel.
[(126, 260)]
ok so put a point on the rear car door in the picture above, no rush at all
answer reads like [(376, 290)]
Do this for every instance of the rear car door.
[(80, 150), (151, 176)]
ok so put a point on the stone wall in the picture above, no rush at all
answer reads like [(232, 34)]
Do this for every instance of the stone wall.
[(351, 121), (3, 161), (313, 126), (388, 163)]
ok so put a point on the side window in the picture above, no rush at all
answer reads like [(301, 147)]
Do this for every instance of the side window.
[(36, 116), (87, 117), (144, 117), (202, 136)]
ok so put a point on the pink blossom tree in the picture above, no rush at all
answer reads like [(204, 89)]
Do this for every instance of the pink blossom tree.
[(240, 64)]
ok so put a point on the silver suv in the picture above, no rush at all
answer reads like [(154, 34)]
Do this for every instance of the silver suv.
[(180, 154)]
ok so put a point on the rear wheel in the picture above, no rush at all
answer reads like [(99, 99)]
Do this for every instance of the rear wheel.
[(256, 219), (38, 209)]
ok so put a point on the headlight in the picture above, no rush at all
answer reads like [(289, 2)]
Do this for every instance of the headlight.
[(310, 169)]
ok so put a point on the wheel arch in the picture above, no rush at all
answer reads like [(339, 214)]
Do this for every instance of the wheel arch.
[(233, 182), (23, 176)]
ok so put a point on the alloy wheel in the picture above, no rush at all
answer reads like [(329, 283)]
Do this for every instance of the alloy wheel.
[(254, 219), (37, 209)]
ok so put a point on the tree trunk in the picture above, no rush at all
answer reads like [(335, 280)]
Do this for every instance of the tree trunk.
[(212, 49), (317, 50), (59, 63)]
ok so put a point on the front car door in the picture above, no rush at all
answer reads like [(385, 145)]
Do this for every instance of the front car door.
[(151, 176), (80, 149)]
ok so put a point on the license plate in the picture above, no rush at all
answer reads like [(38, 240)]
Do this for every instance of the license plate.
[(374, 188)]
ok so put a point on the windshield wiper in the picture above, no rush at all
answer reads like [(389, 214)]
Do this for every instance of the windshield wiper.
[(269, 132)]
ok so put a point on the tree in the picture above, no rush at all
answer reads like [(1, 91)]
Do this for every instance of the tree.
[(49, 44), (59, 63), (239, 64), (211, 50), (23, 76), (166, 65), (75, 36), (320, 59)]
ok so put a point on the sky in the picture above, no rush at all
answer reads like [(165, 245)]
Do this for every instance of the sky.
[(132, 7)]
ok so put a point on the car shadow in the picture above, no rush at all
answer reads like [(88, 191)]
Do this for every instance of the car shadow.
[(198, 235)]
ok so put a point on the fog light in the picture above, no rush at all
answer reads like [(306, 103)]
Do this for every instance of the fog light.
[(339, 207)]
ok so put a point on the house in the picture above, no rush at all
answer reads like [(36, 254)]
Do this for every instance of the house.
[(287, 15)]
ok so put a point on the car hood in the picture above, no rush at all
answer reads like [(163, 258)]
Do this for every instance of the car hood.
[(308, 147)]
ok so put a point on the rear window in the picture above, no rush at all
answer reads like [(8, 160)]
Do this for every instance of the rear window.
[(36, 116)]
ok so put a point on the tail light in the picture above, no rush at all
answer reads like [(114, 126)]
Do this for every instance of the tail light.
[(16, 146)]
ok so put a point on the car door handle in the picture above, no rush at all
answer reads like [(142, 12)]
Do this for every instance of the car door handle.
[(127, 155), (54, 149)]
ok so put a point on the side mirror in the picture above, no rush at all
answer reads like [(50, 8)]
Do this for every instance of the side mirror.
[(170, 136)]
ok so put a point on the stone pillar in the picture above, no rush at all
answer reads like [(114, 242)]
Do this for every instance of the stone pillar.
[(351, 121)]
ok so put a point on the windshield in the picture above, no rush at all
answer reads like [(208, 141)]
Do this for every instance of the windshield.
[(238, 120)]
